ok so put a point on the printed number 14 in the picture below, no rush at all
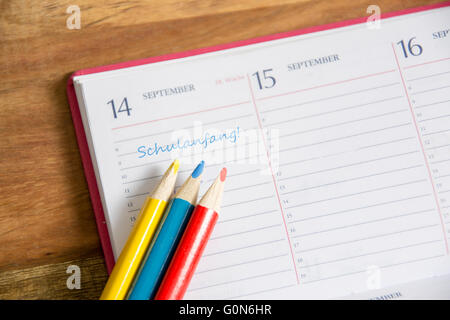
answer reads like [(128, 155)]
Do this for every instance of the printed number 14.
[(123, 107)]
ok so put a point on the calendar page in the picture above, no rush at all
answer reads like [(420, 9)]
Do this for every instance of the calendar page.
[(337, 145)]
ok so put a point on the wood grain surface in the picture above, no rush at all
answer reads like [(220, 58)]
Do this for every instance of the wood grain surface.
[(46, 219)]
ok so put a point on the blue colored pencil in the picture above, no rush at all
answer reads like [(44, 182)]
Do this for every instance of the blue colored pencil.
[(172, 228)]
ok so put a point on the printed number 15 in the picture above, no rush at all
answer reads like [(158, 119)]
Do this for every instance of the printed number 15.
[(269, 80)]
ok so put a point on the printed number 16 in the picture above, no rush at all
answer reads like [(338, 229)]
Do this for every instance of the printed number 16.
[(269, 80), (414, 49)]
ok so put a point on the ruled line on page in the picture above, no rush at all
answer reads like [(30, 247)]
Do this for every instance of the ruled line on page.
[(234, 175), (429, 90), (296, 105), (247, 216), (342, 138), (242, 279), (381, 267), (436, 132), (242, 173), (431, 104), (261, 291), (328, 84), (332, 111), (181, 115), (385, 143), (186, 128), (137, 195), (438, 147), (322, 157), (126, 154), (340, 153), (243, 263), (246, 231), (426, 63), (360, 208), (143, 179), (145, 164), (440, 161), (309, 159), (369, 238), (371, 253), (347, 165), (360, 192), (428, 76), (245, 247), (362, 223), (155, 176), (356, 178), (435, 118), (249, 186), (250, 158), (247, 201), (342, 123)]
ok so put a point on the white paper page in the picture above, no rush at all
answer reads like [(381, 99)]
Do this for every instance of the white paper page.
[(356, 124)]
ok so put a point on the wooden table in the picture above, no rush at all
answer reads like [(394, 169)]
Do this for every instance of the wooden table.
[(46, 218)]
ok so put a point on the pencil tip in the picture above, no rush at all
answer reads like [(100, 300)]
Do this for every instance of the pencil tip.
[(198, 170), (223, 174), (175, 165)]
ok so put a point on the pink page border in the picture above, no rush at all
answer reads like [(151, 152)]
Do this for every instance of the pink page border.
[(78, 124)]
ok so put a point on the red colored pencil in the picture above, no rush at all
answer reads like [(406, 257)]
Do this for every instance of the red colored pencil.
[(192, 243)]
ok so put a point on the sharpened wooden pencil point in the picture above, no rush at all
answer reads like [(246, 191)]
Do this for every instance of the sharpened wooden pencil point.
[(189, 190), (212, 198), (164, 189)]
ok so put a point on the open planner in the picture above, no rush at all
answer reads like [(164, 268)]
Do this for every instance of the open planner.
[(337, 145)]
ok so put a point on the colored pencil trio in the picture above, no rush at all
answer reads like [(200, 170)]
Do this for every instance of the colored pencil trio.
[(151, 248), (168, 237)]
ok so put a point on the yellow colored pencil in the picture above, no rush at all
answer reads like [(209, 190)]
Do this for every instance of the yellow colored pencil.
[(141, 235)]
